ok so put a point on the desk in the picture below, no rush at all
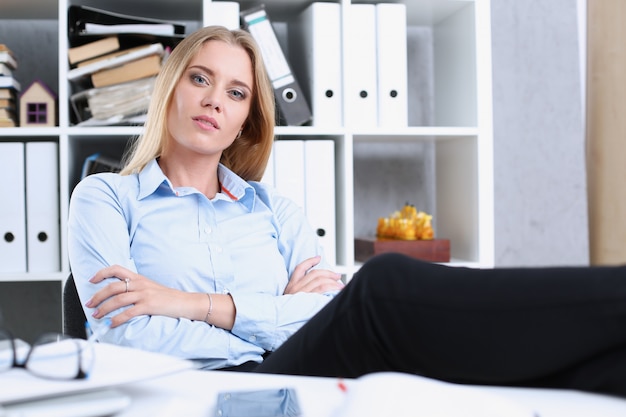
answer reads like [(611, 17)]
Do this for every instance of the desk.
[(193, 393)]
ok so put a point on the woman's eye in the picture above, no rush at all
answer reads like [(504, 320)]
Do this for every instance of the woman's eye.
[(238, 94), (198, 79)]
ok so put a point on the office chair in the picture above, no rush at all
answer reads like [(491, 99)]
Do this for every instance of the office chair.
[(73, 315)]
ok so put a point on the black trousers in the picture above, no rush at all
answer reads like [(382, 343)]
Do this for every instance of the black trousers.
[(539, 327)]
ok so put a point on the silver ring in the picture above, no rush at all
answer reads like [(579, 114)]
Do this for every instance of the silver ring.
[(126, 280)]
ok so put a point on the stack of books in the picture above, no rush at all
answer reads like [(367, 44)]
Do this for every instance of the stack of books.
[(113, 84), (114, 61), (9, 88)]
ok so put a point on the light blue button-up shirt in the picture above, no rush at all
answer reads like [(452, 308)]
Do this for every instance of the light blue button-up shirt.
[(245, 242)]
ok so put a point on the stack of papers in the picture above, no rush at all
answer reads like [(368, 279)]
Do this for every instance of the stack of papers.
[(113, 365)]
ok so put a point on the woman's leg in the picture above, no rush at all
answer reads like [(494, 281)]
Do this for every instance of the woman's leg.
[(563, 327)]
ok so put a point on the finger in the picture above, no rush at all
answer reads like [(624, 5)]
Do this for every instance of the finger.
[(298, 285), (115, 288), (322, 285), (322, 273), (113, 303), (304, 266), (318, 281), (113, 271), (125, 316)]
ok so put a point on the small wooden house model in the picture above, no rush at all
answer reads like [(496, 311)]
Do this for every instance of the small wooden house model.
[(38, 106)]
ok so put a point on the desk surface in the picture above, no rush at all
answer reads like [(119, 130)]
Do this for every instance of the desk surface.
[(193, 393)]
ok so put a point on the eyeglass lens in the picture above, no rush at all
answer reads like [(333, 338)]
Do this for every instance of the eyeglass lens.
[(51, 356)]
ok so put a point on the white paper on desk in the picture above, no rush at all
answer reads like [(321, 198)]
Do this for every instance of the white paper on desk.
[(113, 365), (403, 395)]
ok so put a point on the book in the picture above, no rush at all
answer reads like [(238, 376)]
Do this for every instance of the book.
[(115, 61), (130, 71), (6, 113), (93, 49), (10, 82), (6, 103), (7, 123), (8, 117), (111, 55), (7, 93), (5, 70), (7, 57)]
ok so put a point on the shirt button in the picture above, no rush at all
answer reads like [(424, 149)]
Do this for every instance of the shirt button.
[(252, 338), (218, 249), (207, 230)]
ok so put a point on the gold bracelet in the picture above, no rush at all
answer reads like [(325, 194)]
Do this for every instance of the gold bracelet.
[(208, 313)]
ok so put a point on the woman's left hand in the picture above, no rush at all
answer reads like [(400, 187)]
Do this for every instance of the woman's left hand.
[(142, 295), (306, 279)]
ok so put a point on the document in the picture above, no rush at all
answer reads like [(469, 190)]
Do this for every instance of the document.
[(319, 186), (85, 20), (292, 107), (391, 53), (43, 238), (406, 395), (156, 29), (315, 54), (222, 13), (113, 365), (361, 69), (12, 209)]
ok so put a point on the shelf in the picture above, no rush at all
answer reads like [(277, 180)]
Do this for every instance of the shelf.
[(413, 133), (443, 158), (11, 133), (32, 277)]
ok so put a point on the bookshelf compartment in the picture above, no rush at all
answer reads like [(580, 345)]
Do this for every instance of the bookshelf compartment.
[(441, 161)]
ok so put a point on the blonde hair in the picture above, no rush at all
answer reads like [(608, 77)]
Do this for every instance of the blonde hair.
[(248, 155)]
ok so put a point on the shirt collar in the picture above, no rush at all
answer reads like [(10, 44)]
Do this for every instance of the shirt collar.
[(233, 186)]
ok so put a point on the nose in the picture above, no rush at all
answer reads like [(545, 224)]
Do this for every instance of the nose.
[(211, 99)]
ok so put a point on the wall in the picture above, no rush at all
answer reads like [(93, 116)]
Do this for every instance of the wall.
[(539, 148)]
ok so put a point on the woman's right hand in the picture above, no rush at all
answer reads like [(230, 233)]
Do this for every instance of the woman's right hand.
[(305, 279), (144, 296)]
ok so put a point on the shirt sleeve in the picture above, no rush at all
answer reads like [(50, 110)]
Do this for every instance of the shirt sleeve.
[(268, 320), (98, 236)]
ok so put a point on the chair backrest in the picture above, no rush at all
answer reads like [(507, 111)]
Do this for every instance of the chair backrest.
[(74, 318)]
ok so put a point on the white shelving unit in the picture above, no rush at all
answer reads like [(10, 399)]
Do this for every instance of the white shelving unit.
[(459, 129)]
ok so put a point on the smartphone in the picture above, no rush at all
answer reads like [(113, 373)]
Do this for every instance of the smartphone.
[(275, 402)]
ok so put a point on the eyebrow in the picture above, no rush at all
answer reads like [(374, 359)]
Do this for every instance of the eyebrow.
[(212, 73)]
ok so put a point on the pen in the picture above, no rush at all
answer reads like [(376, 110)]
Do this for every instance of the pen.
[(342, 385)]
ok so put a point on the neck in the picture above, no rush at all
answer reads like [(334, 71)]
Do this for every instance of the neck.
[(199, 174)]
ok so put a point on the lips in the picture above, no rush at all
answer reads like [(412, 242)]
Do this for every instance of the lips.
[(207, 121)]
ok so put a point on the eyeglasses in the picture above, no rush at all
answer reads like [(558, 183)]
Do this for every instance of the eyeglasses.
[(53, 355)]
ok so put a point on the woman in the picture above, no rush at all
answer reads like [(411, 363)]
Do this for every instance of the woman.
[(219, 268), (190, 255)]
